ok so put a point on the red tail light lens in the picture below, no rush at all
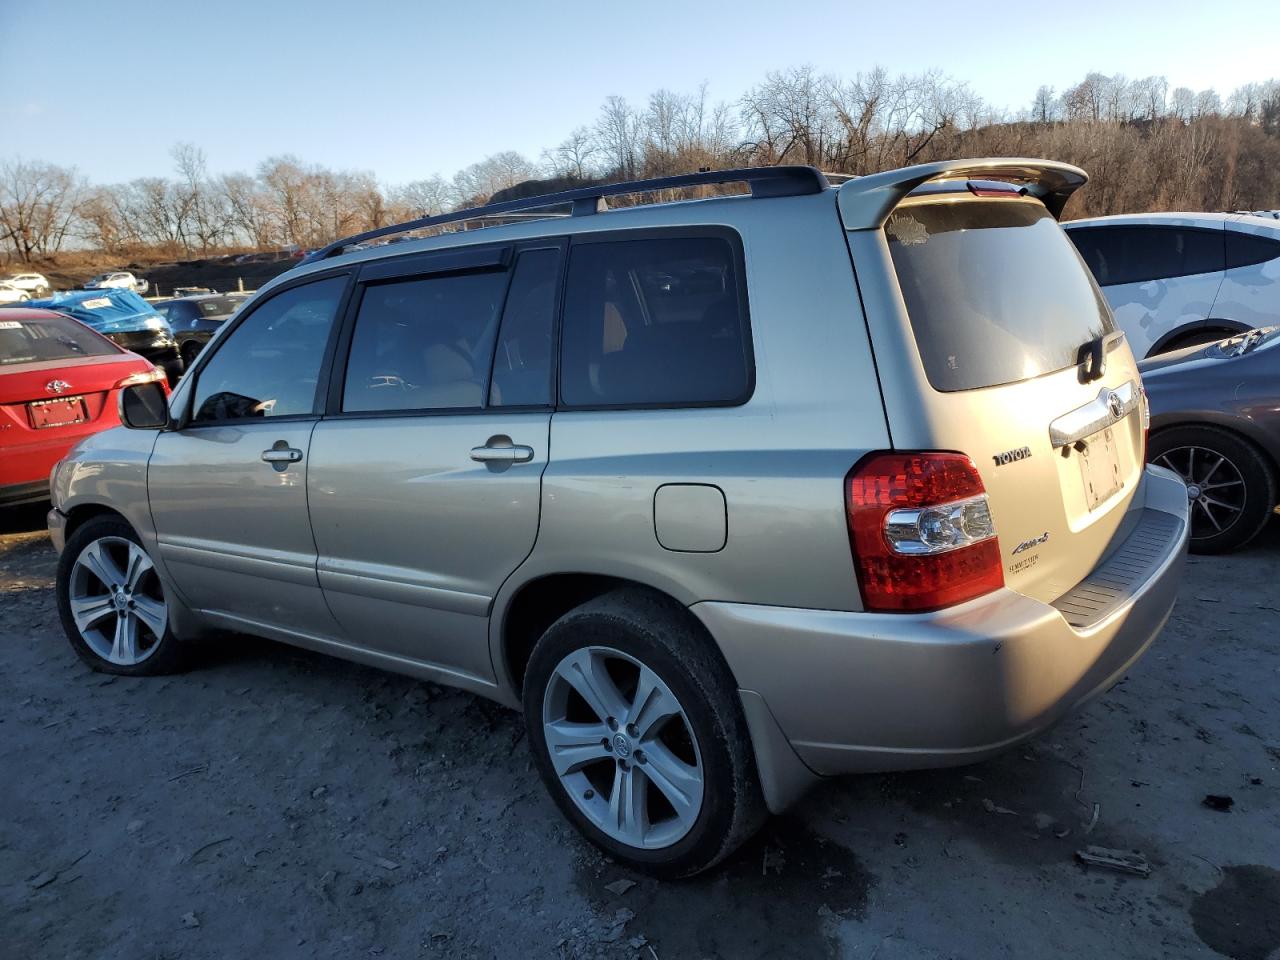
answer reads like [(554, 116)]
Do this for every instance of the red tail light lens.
[(921, 531), (154, 375)]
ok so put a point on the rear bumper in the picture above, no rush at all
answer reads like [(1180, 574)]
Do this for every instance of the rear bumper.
[(863, 692)]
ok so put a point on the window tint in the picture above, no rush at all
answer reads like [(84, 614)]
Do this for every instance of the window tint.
[(270, 365), (1137, 254), (424, 343), (1245, 249), (654, 322), (994, 291), (522, 360), (49, 338)]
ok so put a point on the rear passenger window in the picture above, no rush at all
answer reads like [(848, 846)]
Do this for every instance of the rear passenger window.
[(654, 322), (1246, 249), (424, 343), (1138, 254)]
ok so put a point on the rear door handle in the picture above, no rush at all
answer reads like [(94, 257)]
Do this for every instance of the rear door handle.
[(507, 453), (282, 455)]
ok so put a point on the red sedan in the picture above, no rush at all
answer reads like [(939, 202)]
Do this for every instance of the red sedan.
[(59, 382)]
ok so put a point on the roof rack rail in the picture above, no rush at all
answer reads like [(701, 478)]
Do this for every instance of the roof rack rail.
[(782, 181)]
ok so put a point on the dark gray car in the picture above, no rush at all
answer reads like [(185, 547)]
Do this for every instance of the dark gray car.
[(1215, 419), (196, 319)]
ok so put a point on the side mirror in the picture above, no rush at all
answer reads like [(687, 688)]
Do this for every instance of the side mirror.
[(144, 406)]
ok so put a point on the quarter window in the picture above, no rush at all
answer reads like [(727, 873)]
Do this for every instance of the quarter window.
[(270, 364), (424, 343), (1138, 254), (1246, 249), (654, 322)]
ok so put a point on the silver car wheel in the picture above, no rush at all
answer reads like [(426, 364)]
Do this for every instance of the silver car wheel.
[(117, 602), (623, 747), (1215, 487)]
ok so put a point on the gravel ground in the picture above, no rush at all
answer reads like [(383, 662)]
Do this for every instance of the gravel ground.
[(276, 803)]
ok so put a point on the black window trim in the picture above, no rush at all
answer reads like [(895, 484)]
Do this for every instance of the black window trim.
[(1221, 232), (326, 362), (692, 231), (481, 258)]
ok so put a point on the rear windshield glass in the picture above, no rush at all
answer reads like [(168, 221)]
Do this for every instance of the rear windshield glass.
[(995, 291), (218, 307), (52, 338)]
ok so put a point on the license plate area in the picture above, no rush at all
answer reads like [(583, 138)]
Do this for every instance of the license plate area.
[(61, 412), (1099, 467)]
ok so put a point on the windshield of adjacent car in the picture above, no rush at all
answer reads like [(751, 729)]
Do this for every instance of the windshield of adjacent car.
[(994, 290), (49, 338)]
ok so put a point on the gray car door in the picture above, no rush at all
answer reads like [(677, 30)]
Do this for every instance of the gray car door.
[(228, 490), (425, 476)]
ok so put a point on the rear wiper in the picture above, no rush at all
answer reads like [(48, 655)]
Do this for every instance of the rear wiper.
[(1091, 358)]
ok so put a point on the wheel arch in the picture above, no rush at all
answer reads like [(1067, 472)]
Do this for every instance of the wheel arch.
[(531, 606), (1241, 429), (1210, 323)]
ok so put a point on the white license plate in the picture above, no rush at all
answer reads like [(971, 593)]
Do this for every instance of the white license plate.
[(1100, 467)]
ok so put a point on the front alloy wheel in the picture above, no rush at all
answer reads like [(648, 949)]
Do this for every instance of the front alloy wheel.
[(116, 601), (112, 603)]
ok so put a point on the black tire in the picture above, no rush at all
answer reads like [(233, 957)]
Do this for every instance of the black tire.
[(190, 350), (1251, 500), (664, 637), (169, 655)]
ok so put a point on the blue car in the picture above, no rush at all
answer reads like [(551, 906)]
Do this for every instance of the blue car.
[(124, 317)]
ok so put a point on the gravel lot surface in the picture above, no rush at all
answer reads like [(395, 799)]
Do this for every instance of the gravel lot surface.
[(275, 803)]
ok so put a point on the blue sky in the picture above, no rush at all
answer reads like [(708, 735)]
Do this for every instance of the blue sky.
[(410, 89)]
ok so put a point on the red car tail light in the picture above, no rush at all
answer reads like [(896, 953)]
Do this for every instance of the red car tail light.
[(153, 375), (921, 531)]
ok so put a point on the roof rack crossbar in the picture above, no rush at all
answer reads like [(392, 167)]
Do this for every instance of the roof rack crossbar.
[(781, 181)]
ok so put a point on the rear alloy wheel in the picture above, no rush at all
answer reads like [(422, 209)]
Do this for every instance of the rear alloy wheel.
[(628, 760), (637, 730), (1230, 487), (112, 603)]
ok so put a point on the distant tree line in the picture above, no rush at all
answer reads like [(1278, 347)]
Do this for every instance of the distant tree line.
[(1146, 147)]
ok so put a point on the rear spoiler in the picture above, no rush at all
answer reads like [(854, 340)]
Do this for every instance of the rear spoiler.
[(866, 202)]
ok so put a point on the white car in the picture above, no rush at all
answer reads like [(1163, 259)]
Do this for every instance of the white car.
[(1179, 279), (117, 278), (9, 293), (33, 283)]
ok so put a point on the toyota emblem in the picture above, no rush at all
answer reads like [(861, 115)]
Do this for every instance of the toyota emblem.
[(57, 386), (1115, 404)]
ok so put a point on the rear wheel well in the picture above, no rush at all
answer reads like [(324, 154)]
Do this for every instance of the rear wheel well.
[(1207, 331), (542, 602)]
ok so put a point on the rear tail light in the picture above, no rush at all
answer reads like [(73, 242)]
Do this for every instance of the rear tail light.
[(921, 531), (153, 375)]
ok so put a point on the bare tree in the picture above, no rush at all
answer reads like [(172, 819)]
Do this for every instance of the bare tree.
[(38, 206)]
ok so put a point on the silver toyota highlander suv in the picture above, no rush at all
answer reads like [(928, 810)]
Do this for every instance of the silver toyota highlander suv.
[(728, 495)]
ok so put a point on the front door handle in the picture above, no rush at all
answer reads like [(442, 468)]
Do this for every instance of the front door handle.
[(500, 449), (282, 454)]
